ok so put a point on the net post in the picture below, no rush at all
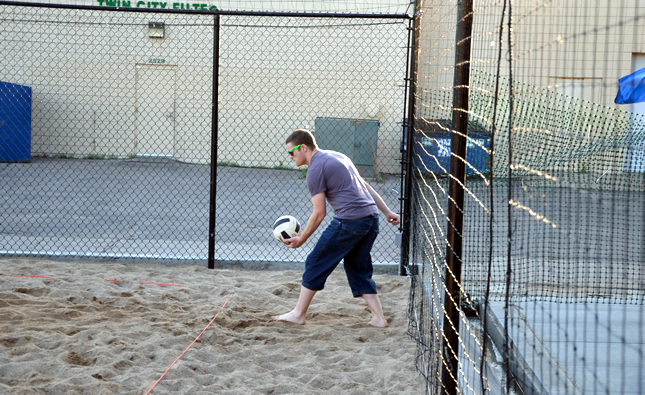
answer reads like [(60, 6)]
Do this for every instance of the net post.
[(450, 348), (413, 42), (214, 112)]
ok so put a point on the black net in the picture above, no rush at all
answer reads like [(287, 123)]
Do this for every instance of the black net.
[(107, 127), (550, 281)]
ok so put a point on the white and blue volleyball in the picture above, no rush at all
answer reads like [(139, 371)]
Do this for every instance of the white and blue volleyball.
[(286, 227)]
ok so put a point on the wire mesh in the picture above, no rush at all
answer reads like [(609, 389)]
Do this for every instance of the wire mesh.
[(264, 6), (115, 136), (551, 290), (117, 150), (350, 95)]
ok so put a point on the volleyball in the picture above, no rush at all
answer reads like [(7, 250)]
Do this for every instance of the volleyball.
[(286, 227)]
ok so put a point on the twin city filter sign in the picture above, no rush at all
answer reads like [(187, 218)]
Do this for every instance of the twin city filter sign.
[(156, 4)]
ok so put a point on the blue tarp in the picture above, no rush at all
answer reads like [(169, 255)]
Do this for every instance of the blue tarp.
[(432, 152), (631, 88)]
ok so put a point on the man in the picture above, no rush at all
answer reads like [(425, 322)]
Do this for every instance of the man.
[(351, 234)]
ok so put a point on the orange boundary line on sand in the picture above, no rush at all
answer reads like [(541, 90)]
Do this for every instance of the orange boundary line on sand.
[(174, 285), (191, 344), (140, 282)]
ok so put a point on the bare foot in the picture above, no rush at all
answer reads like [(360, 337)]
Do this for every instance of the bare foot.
[(291, 317), (379, 323)]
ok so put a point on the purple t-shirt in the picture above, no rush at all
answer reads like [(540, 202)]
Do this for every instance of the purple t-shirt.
[(335, 174)]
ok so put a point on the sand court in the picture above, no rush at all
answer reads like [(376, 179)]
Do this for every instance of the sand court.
[(103, 328)]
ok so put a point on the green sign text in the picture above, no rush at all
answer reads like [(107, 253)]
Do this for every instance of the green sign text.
[(157, 4)]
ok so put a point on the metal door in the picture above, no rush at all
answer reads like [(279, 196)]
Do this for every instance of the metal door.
[(365, 139), (155, 110), (335, 134), (356, 138)]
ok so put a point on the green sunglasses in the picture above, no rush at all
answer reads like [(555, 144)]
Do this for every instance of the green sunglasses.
[(293, 149)]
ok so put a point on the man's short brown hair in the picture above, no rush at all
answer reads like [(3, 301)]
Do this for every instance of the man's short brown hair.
[(302, 136)]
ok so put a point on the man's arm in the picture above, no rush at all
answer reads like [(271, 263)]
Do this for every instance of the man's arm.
[(316, 218), (391, 216)]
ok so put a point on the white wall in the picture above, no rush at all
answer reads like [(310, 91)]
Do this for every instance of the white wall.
[(275, 77), (576, 48)]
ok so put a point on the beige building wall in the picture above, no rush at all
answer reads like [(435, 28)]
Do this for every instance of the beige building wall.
[(84, 81), (589, 43), (566, 53), (558, 43), (88, 100), (555, 43), (356, 77), (349, 6)]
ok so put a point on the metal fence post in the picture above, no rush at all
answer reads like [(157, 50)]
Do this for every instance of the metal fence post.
[(450, 349), (413, 40), (214, 111)]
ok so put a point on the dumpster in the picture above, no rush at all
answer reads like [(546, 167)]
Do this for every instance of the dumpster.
[(432, 147), (15, 122)]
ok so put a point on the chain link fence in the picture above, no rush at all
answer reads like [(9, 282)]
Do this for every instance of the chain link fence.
[(111, 120)]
